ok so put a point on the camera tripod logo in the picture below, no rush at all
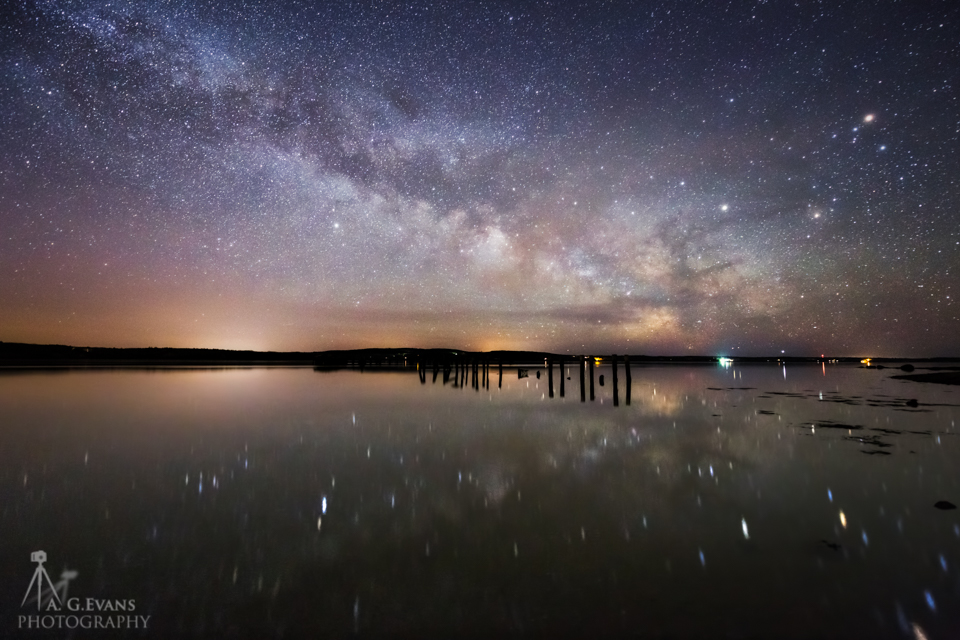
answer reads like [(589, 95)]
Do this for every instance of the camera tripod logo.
[(43, 585)]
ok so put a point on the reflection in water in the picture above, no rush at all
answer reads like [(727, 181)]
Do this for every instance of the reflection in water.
[(262, 502)]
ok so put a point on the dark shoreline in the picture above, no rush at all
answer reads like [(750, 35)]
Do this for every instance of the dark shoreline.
[(18, 355)]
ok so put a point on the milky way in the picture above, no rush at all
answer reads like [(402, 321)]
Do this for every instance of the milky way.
[(688, 177)]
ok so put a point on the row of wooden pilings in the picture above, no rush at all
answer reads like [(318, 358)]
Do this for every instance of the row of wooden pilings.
[(477, 369)]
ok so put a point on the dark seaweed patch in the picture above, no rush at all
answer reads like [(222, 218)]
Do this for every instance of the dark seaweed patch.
[(826, 424), (870, 440)]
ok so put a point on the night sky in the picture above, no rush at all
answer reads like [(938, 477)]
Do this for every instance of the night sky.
[(718, 178)]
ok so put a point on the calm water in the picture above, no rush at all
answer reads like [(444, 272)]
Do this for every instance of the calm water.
[(740, 502)]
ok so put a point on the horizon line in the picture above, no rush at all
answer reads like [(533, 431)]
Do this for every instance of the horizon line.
[(23, 346)]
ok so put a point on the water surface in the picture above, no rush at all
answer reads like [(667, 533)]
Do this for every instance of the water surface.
[(750, 501)]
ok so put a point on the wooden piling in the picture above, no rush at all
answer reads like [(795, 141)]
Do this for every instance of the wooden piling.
[(590, 363), (500, 380), (616, 390), (550, 375), (583, 390), (626, 366)]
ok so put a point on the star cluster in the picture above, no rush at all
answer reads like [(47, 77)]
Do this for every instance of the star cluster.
[(648, 177)]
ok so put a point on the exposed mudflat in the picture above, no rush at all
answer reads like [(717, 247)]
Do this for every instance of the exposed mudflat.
[(940, 377)]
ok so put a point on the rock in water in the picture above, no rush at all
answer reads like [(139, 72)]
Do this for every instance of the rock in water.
[(601, 380), (913, 403), (906, 367), (943, 504)]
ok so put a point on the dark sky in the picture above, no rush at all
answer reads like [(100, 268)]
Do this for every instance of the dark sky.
[(651, 177)]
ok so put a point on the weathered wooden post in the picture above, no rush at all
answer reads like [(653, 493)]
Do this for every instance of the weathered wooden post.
[(616, 390), (550, 375), (626, 365), (583, 391), (590, 364), (500, 380)]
